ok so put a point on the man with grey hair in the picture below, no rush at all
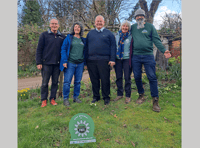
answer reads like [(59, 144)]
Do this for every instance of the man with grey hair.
[(144, 35), (100, 56), (47, 60)]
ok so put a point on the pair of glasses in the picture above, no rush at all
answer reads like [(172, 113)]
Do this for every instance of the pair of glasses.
[(54, 23)]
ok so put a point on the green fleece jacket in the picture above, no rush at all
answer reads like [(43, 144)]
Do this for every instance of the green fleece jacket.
[(144, 38)]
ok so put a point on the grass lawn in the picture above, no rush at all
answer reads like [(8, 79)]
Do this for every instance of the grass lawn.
[(117, 125)]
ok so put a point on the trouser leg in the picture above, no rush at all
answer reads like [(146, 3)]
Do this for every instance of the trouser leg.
[(149, 64), (119, 76), (104, 72), (127, 77), (46, 73), (68, 74), (137, 71), (77, 79), (54, 85), (94, 77)]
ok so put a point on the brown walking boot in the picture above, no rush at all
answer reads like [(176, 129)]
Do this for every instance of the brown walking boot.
[(128, 99), (140, 99), (118, 98), (156, 107)]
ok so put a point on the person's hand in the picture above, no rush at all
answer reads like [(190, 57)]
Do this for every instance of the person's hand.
[(39, 66), (85, 67), (167, 54), (111, 63), (65, 65)]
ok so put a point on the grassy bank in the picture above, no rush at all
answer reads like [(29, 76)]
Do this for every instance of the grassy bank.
[(117, 125)]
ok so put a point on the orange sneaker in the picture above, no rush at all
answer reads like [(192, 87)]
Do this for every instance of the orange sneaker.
[(53, 102), (44, 103)]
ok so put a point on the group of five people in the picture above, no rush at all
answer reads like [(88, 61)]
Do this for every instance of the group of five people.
[(127, 51)]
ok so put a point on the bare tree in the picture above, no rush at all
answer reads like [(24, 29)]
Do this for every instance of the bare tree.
[(131, 15), (172, 22), (45, 8), (110, 9), (149, 12)]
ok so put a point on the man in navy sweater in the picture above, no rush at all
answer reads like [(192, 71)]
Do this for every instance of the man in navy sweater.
[(100, 56), (47, 60)]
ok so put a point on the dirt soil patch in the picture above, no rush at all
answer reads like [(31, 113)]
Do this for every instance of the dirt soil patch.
[(35, 82)]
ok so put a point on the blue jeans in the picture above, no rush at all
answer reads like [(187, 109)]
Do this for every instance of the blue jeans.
[(149, 65), (77, 71)]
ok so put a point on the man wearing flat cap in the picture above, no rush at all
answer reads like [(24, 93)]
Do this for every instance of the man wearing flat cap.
[(144, 35)]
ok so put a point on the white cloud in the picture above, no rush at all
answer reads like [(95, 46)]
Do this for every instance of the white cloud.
[(163, 8), (159, 14)]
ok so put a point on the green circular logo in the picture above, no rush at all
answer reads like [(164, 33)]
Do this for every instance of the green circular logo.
[(81, 128)]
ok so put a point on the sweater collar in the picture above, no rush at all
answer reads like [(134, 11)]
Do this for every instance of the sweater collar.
[(58, 32)]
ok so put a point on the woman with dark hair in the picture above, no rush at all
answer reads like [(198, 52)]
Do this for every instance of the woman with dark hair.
[(72, 61)]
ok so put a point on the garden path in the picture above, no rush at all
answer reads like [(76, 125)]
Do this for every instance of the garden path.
[(34, 82)]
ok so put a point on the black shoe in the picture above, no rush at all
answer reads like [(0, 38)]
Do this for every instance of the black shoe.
[(77, 100), (66, 102), (94, 100), (106, 102)]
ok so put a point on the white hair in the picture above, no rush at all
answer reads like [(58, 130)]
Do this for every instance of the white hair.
[(99, 15), (125, 22), (53, 19)]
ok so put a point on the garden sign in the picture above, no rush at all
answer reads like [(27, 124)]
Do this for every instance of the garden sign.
[(81, 128)]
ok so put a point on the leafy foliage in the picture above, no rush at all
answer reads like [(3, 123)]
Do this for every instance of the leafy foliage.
[(28, 36), (28, 70), (32, 13), (166, 31), (175, 70)]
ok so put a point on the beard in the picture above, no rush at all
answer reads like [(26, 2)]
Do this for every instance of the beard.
[(140, 23)]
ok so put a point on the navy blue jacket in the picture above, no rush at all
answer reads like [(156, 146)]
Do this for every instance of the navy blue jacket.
[(49, 47), (100, 45), (66, 48)]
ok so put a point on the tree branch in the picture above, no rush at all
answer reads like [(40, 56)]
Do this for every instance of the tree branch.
[(143, 5), (95, 7), (154, 7), (84, 20)]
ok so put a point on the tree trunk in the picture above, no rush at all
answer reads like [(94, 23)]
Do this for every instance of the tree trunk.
[(60, 84), (149, 13), (149, 18)]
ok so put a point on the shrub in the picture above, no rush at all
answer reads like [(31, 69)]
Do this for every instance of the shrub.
[(28, 70), (175, 73), (171, 61), (28, 36)]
